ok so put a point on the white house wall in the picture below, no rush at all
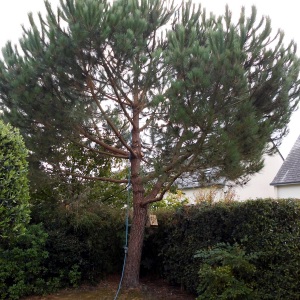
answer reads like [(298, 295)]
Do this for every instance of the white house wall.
[(193, 194), (288, 191), (259, 185)]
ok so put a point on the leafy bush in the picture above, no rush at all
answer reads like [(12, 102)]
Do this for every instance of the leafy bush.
[(77, 244), (14, 192), (90, 239), (226, 273), (179, 235), (272, 229), (22, 265)]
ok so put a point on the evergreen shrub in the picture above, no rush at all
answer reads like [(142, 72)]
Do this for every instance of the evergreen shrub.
[(226, 272), (14, 190), (86, 238), (22, 265), (266, 229)]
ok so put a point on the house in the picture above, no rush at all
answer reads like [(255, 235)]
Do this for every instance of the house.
[(257, 187), (287, 181), (191, 186)]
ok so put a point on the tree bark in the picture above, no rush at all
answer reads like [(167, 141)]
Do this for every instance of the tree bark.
[(136, 238), (135, 245)]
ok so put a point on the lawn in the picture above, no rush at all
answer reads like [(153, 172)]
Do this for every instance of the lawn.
[(148, 290)]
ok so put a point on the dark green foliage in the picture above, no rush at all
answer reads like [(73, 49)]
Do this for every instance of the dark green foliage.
[(88, 237), (14, 191), (22, 265), (226, 273), (267, 230), (75, 245), (27, 266), (272, 229), (179, 236)]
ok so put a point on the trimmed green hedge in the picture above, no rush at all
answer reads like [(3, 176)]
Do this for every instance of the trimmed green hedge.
[(267, 229), (248, 250), (89, 237)]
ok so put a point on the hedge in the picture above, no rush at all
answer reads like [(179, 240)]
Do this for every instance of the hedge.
[(266, 229), (88, 236)]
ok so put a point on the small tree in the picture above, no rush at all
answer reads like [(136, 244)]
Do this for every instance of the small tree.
[(14, 195), (169, 89)]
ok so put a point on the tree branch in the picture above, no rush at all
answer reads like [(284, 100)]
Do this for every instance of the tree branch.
[(97, 178), (113, 85), (108, 120), (101, 143), (98, 151)]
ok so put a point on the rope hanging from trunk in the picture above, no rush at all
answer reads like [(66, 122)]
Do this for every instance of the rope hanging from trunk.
[(126, 226)]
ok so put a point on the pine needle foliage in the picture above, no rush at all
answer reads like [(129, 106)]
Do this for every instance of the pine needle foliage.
[(209, 93)]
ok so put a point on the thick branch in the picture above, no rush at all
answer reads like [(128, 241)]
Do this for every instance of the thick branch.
[(97, 178), (104, 145), (100, 152), (157, 192)]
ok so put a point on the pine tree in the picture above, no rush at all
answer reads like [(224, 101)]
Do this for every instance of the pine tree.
[(169, 89)]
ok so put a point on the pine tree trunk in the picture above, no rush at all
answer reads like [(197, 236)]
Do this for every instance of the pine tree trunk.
[(132, 268), (136, 238)]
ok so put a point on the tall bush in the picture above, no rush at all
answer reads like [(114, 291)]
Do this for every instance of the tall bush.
[(14, 193), (90, 238), (22, 270)]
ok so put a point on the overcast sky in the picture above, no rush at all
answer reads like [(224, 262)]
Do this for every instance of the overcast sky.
[(283, 14)]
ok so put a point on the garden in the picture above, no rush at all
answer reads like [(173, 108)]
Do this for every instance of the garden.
[(104, 106), (212, 250)]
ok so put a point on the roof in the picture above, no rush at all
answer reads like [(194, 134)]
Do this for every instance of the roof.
[(193, 180), (289, 173)]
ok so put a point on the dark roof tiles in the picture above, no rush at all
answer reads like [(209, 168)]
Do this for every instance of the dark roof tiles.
[(289, 173)]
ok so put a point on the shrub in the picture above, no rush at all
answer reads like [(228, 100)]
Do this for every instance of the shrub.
[(180, 235), (14, 193), (272, 229), (22, 265), (226, 272), (90, 239)]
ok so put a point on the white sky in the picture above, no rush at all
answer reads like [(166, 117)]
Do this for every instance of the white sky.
[(283, 14)]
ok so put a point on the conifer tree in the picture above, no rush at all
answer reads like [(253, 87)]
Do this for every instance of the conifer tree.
[(168, 89)]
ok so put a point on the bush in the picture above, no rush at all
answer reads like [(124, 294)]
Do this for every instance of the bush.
[(226, 272), (90, 239), (77, 245), (22, 265), (270, 229), (180, 235), (14, 192)]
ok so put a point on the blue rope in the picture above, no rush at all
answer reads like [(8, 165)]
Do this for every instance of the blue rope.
[(126, 232)]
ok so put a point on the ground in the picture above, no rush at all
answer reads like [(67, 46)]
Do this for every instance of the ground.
[(149, 289)]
